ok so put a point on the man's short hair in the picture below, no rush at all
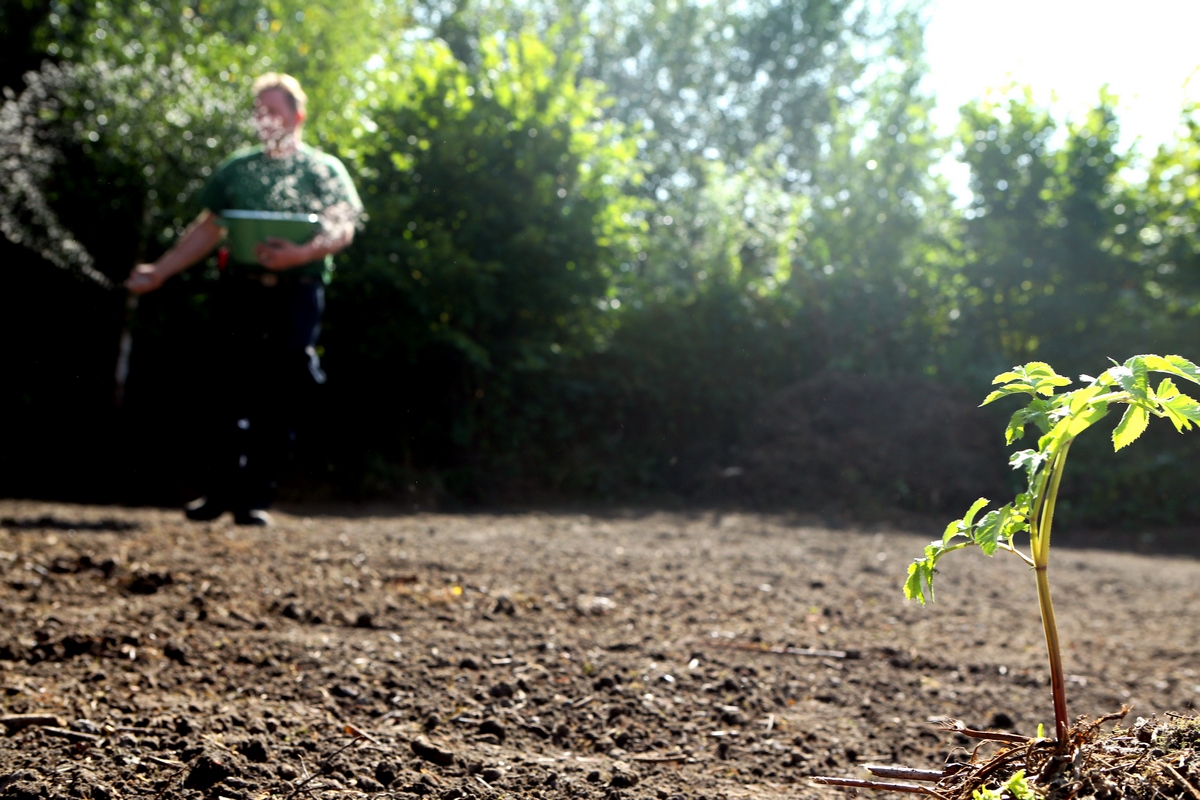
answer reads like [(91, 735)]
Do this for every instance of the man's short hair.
[(284, 83)]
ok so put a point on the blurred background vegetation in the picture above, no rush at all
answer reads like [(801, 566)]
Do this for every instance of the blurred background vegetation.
[(620, 251)]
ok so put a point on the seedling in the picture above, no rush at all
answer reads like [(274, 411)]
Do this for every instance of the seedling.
[(1060, 417)]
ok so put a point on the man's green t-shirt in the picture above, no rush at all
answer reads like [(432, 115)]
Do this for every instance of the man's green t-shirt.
[(305, 182)]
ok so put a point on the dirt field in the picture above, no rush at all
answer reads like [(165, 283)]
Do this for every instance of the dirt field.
[(615, 656)]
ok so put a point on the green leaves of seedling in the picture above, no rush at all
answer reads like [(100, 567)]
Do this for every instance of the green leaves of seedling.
[(1182, 410), (1060, 417), (993, 530), (1036, 377), (920, 572), (1135, 420), (1015, 788)]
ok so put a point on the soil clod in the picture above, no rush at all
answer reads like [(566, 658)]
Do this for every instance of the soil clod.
[(436, 755)]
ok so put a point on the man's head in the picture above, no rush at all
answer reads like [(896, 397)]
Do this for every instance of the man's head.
[(279, 105)]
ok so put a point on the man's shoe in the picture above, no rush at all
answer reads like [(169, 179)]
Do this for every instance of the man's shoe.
[(205, 509), (252, 516)]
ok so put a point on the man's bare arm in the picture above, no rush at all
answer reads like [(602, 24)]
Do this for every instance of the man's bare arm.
[(197, 242)]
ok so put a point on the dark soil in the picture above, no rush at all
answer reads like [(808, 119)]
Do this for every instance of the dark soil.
[(617, 656)]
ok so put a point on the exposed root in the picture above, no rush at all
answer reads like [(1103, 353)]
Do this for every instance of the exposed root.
[(1152, 759)]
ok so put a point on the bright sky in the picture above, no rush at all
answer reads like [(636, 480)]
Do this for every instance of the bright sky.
[(1145, 50)]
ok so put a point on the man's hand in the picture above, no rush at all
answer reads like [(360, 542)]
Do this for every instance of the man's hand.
[(144, 278), (279, 254), (197, 242)]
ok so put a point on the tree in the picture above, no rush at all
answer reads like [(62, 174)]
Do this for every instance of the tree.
[(1068, 262), (498, 220), (1158, 225), (1044, 279), (875, 268)]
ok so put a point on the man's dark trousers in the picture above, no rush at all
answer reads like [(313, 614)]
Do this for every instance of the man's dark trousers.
[(266, 328)]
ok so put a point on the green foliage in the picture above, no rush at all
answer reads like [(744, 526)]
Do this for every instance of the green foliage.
[(1043, 278), (1067, 255), (1158, 226), (708, 77), (507, 184), (499, 217), (713, 300), (720, 200), (873, 267), (1015, 788), (129, 163), (106, 164), (1060, 417), (232, 42)]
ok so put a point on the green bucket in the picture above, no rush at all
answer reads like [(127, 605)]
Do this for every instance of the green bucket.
[(248, 228)]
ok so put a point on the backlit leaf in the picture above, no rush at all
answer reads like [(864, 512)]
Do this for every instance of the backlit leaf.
[(1086, 419), (1166, 390), (1005, 391), (1054, 438), (1047, 387), (1182, 410), (1138, 383), (987, 535), (1028, 460), (1122, 375), (919, 577), (1041, 369), (1038, 412), (1176, 365), (955, 528), (1082, 397), (975, 508), (1016, 426), (1044, 378), (1130, 427)]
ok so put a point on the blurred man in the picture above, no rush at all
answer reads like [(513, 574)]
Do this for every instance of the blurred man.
[(268, 312)]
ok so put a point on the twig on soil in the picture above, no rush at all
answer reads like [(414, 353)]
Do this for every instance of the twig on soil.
[(18, 722), (680, 758), (527, 667), (780, 651), (957, 726), (215, 742), (167, 785), (387, 751), (856, 783), (904, 773), (950, 782), (171, 779), (1182, 781), (77, 737), (1000, 760), (354, 730), (325, 762)]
